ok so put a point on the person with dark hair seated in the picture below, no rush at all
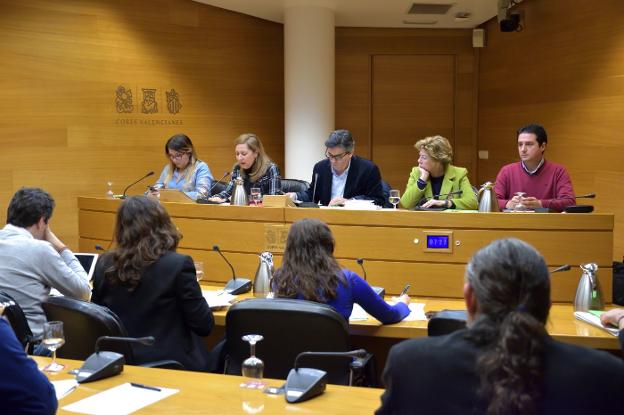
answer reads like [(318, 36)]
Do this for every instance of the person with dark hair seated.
[(23, 388), (153, 289), (504, 362), (615, 318), (309, 271)]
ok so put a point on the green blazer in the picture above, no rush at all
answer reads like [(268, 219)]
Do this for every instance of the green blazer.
[(455, 178)]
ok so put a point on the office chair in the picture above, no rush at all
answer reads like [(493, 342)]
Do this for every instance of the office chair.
[(294, 185), (17, 319), (446, 321), (218, 187), (84, 322), (290, 327)]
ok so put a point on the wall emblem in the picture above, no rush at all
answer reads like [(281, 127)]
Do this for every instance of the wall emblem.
[(173, 101), (123, 100), (149, 104)]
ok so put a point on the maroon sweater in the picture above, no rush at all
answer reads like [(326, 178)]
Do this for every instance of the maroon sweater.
[(550, 184)]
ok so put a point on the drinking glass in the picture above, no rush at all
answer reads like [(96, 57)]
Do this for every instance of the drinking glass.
[(395, 197), (519, 207), (109, 192), (53, 338), (199, 270), (256, 196), (253, 368)]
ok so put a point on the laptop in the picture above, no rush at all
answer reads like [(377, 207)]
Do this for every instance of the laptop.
[(88, 263)]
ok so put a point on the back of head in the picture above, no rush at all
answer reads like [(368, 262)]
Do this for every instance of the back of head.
[(340, 138), (437, 147), (538, 130), (28, 206), (143, 233), (511, 283), (309, 267)]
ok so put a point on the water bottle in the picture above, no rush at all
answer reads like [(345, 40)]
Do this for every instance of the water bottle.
[(487, 198), (239, 196), (264, 274), (588, 293)]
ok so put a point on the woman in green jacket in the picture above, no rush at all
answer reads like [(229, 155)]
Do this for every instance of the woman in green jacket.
[(435, 183)]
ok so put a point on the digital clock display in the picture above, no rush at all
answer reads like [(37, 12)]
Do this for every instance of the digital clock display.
[(438, 241)]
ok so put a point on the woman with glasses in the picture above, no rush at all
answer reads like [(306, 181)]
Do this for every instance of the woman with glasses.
[(309, 271), (435, 183), (153, 289), (184, 171), (254, 167)]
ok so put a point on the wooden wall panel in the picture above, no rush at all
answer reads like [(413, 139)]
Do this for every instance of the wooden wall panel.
[(62, 62), (565, 70), (356, 51)]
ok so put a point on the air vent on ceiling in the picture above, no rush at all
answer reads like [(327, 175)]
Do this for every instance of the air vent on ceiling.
[(424, 8)]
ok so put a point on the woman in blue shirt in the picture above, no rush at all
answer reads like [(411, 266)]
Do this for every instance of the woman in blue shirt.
[(184, 171), (309, 271), (254, 167)]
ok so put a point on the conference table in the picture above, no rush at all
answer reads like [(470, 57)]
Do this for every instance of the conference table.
[(215, 394)]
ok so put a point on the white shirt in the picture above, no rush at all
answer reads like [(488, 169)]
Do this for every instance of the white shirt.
[(339, 182)]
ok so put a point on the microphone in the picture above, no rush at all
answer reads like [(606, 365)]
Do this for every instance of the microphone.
[(586, 196), (581, 208), (227, 173), (562, 268), (306, 383), (380, 291), (105, 364), (123, 196), (311, 204), (99, 248), (234, 286)]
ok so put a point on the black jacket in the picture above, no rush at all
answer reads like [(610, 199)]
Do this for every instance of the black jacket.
[(167, 304)]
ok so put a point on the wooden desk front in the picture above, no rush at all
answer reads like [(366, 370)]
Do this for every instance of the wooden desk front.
[(217, 394), (392, 242)]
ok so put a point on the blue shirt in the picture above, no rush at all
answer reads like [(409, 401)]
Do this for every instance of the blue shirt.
[(339, 181), (23, 388), (198, 184), (355, 290)]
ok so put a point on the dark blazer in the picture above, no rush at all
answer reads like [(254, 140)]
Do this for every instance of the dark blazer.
[(167, 304), (363, 182), (436, 375)]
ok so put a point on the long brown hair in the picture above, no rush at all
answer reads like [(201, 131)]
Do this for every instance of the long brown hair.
[(309, 267), (143, 233), (512, 286), (262, 163)]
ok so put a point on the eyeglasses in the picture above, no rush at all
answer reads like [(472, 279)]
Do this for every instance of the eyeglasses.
[(336, 157), (176, 156)]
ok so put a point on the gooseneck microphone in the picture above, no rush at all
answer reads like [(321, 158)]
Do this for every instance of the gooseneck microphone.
[(234, 286), (227, 173), (562, 268), (147, 341), (312, 204), (360, 262), (581, 208), (586, 196), (380, 291), (359, 353), (123, 196)]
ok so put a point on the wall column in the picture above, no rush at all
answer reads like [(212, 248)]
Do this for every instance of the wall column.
[(309, 69)]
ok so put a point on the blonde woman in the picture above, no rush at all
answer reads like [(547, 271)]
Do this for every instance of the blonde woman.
[(254, 167), (184, 171), (435, 183)]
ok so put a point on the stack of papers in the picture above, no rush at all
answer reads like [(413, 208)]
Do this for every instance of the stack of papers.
[(356, 204), (593, 317), (218, 299), (417, 312)]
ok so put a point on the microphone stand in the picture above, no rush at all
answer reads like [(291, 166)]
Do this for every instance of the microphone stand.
[(234, 286), (311, 204), (123, 196), (205, 200)]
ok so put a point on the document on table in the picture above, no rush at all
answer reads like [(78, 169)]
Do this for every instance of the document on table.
[(593, 317), (417, 312), (218, 299), (64, 387), (120, 400)]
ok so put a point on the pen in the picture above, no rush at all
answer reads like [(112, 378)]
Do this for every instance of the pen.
[(140, 385), (407, 287)]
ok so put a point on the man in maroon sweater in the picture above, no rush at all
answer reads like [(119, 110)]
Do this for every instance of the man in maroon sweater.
[(544, 184)]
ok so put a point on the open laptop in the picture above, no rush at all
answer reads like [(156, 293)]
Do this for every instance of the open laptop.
[(88, 263)]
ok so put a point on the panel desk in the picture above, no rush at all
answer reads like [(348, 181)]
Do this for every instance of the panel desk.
[(217, 394), (429, 250)]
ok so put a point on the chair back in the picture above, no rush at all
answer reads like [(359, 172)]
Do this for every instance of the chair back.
[(289, 327), (17, 319), (218, 187), (294, 185), (446, 321), (83, 323)]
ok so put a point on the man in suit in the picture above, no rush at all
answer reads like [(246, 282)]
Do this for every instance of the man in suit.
[(505, 362), (342, 175)]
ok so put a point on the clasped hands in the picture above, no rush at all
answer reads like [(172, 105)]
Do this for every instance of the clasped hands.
[(523, 202)]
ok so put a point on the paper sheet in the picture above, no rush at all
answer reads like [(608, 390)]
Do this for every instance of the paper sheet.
[(594, 320), (120, 400), (64, 387), (417, 312), (218, 299)]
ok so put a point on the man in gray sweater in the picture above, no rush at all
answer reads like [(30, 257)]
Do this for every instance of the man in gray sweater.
[(33, 260)]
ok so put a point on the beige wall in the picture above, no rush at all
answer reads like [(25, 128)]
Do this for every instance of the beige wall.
[(565, 70), (62, 62)]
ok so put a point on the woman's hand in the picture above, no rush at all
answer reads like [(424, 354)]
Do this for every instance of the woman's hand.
[(424, 174), (217, 199), (403, 299), (435, 203), (613, 317)]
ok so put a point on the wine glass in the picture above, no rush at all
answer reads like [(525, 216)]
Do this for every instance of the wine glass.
[(256, 196), (199, 270), (53, 338), (395, 197), (109, 192), (253, 368), (519, 207)]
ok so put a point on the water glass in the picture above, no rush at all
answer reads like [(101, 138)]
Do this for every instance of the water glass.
[(395, 197), (199, 270), (53, 339), (253, 368), (519, 207), (256, 196)]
